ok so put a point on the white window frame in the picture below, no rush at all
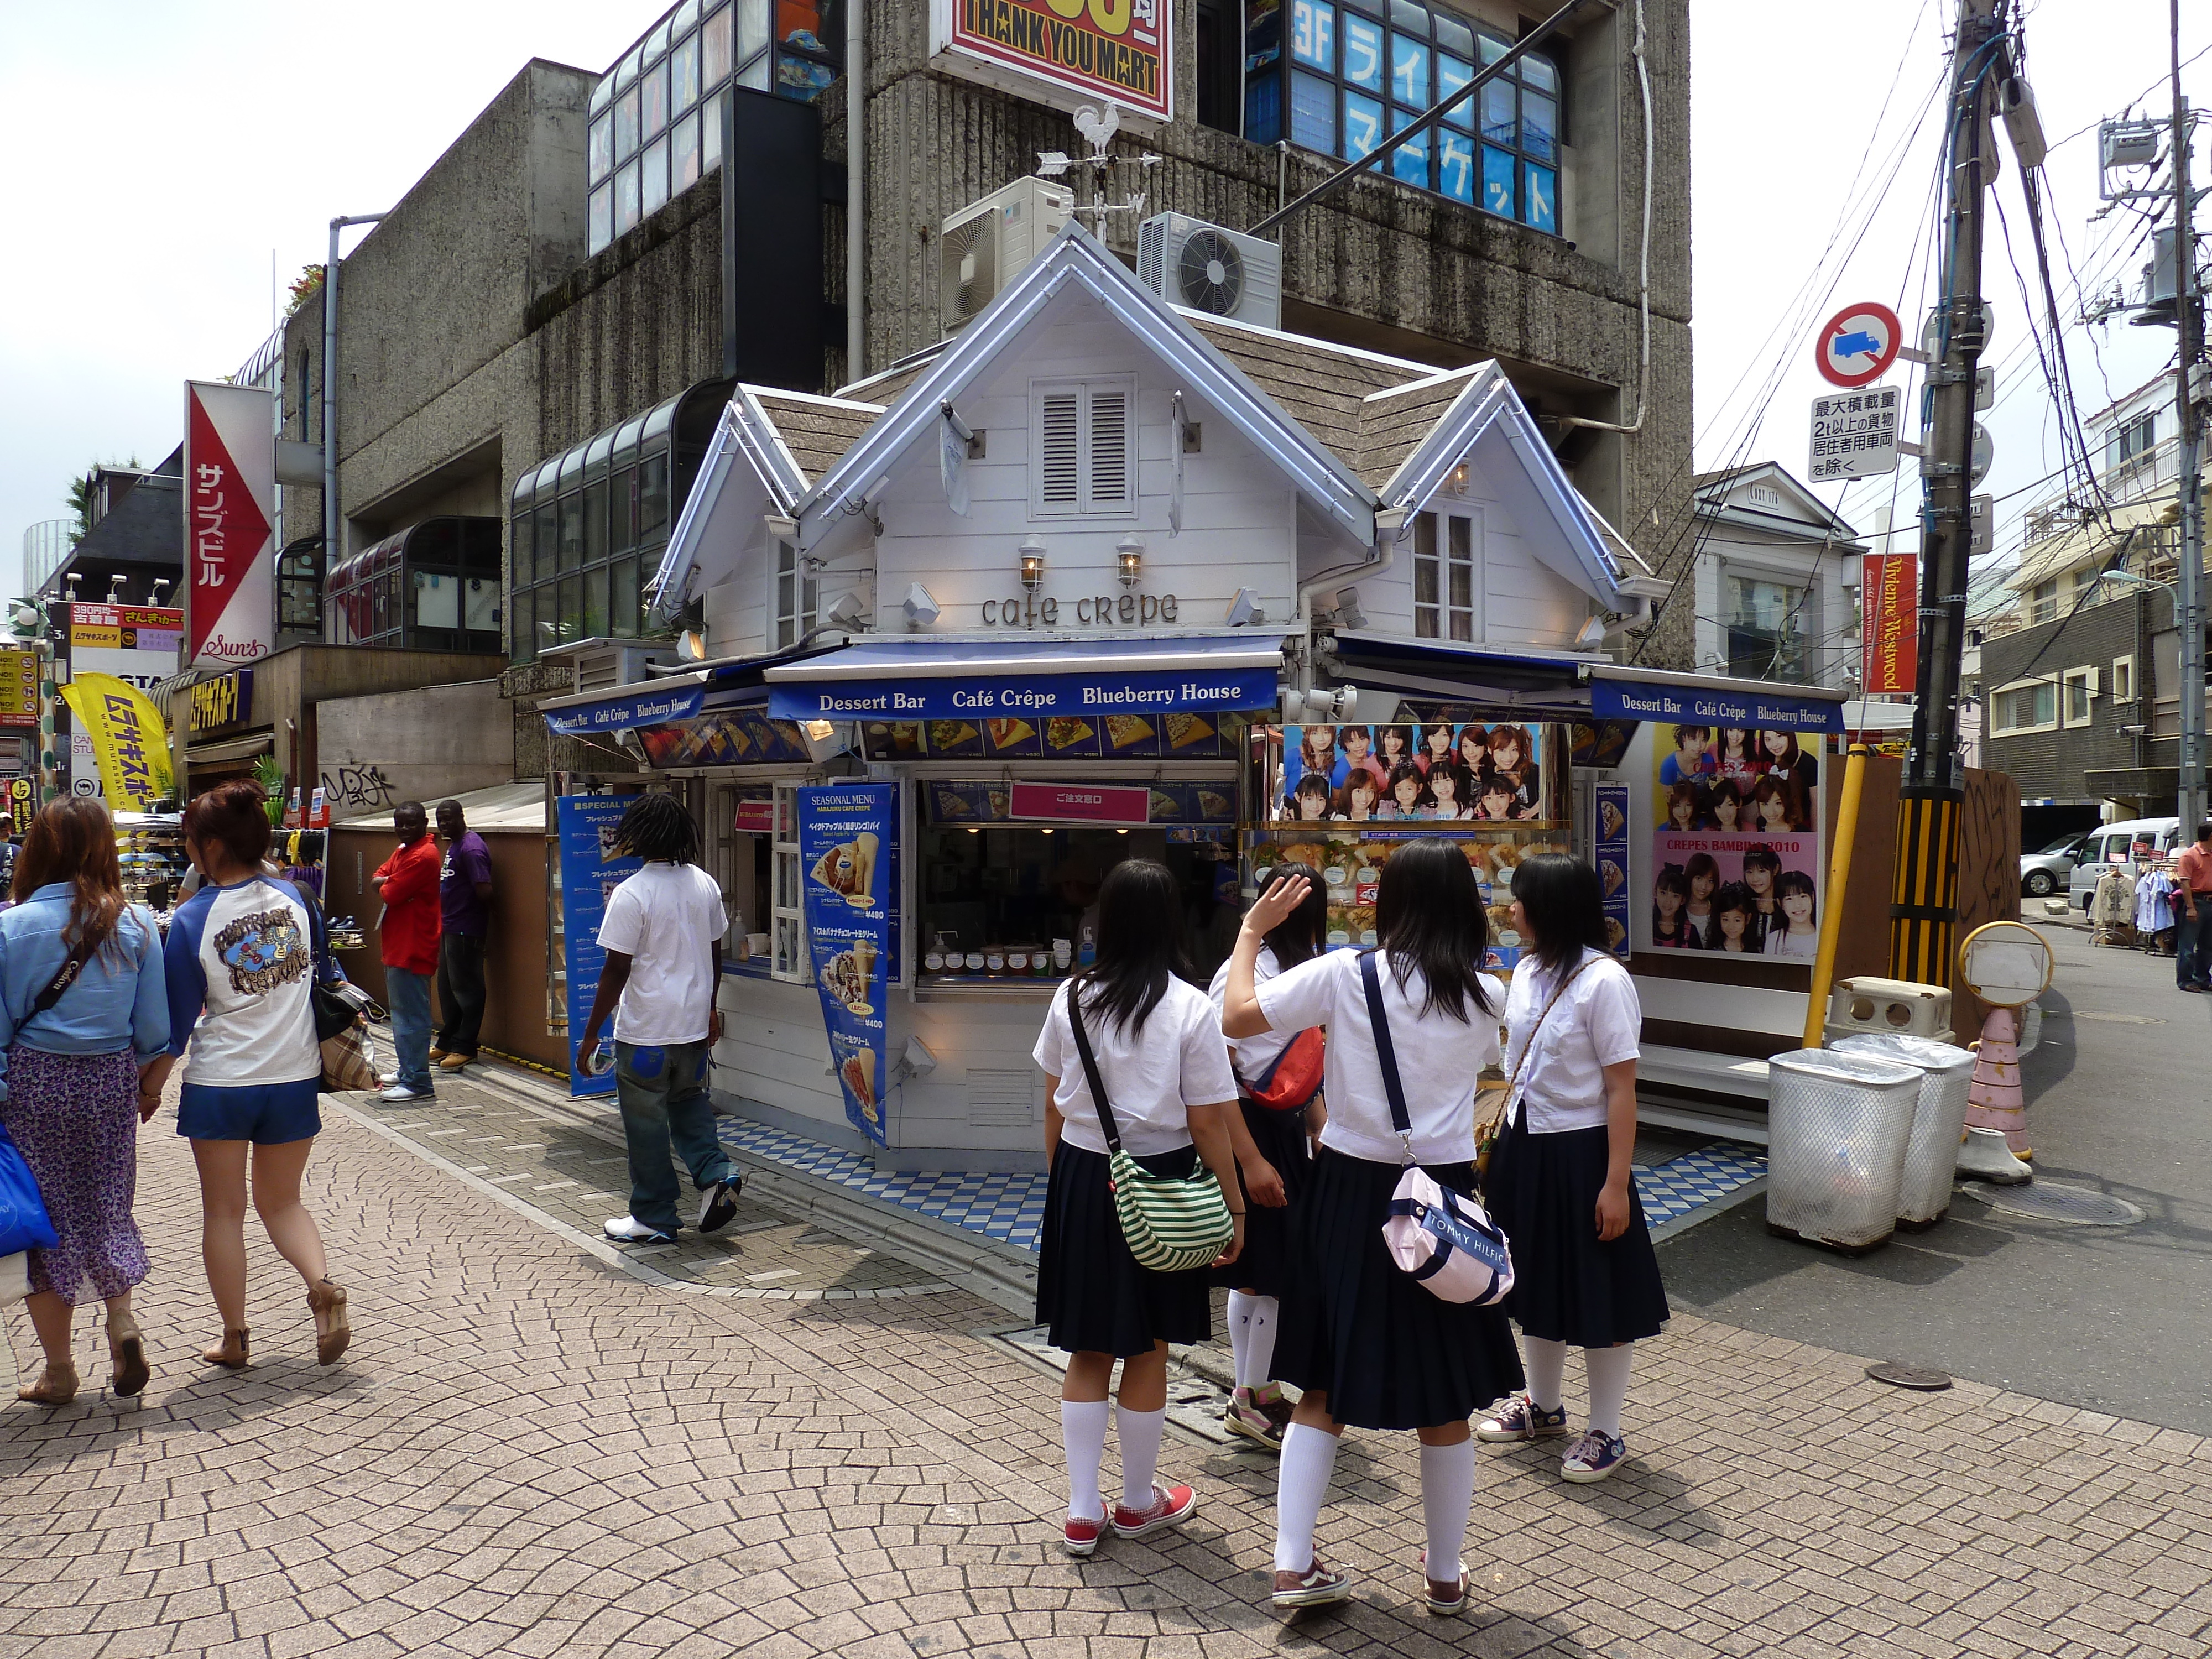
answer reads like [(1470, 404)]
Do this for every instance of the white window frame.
[(794, 596), (2086, 680), (1087, 503), (1999, 703), (2124, 678), (1444, 560), (788, 957), (1808, 610)]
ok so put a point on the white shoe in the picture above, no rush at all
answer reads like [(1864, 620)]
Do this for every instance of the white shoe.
[(399, 1094), (624, 1231)]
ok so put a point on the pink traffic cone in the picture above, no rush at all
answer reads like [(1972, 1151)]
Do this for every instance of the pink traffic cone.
[(1994, 1099)]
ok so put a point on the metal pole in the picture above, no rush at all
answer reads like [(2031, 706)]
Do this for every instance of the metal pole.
[(2189, 594), (1923, 907), (1832, 910)]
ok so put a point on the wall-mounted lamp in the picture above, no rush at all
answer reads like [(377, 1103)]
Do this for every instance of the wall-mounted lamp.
[(1244, 608), (1032, 563), (1129, 558), (1459, 476), (920, 609), (845, 610)]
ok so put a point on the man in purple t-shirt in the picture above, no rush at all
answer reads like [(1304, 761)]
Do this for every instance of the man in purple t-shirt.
[(464, 907)]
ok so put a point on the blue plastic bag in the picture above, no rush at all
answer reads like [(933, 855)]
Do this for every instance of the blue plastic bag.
[(23, 1223)]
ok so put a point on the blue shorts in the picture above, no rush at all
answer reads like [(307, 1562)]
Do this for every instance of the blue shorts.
[(266, 1113)]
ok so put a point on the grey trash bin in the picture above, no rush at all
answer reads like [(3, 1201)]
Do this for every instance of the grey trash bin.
[(1838, 1128), (1939, 1119)]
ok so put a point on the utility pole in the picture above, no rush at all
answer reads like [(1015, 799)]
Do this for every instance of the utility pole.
[(2189, 316), (1923, 908)]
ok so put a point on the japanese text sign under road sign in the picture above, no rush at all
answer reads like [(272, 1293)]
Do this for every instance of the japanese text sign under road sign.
[(1854, 433), (1857, 345)]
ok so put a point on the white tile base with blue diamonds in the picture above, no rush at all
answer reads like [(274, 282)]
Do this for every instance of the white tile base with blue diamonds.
[(1009, 1207)]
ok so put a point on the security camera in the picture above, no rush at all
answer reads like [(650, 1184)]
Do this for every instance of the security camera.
[(920, 609), (1348, 614), (915, 1060)]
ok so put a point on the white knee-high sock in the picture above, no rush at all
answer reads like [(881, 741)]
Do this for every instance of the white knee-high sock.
[(1545, 1362), (1083, 1433), (1447, 1496), (1139, 1433), (1608, 1385), (1240, 1332), (1301, 1487), (1260, 1346)]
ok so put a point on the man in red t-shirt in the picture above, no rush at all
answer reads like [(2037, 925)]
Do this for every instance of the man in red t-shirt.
[(409, 939), (2192, 937)]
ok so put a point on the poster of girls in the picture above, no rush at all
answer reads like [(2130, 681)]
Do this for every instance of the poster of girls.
[(1461, 772), (1737, 855)]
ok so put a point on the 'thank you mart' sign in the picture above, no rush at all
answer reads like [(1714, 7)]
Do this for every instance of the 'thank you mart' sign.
[(1065, 52)]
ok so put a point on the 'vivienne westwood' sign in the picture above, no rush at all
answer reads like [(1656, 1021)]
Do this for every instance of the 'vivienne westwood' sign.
[(1111, 50)]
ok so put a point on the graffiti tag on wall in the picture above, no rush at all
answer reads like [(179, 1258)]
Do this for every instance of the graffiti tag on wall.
[(359, 785)]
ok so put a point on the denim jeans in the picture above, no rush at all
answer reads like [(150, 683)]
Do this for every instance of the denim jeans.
[(408, 995), (662, 1090), (460, 993), (2192, 942)]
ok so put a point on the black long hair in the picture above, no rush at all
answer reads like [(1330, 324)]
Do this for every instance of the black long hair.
[(657, 829), (1139, 944), (1297, 936), (1429, 919), (1565, 903)]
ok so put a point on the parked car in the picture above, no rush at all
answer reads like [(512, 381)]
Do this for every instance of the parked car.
[(2044, 873), (2115, 843)]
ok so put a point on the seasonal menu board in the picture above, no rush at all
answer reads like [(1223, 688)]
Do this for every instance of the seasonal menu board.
[(1442, 770), (1736, 854), (1348, 863), (1064, 736)]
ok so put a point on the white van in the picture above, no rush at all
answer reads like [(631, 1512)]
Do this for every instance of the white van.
[(2112, 844)]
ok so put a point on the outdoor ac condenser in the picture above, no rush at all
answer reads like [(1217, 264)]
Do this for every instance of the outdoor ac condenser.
[(1189, 262), (988, 243)]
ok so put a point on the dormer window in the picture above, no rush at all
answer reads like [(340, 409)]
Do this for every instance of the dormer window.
[(1083, 448)]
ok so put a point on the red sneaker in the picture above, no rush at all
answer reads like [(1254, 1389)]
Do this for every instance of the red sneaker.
[(1170, 1506), (1081, 1537)]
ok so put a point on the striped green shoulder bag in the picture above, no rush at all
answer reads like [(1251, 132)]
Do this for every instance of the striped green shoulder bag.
[(1172, 1223)]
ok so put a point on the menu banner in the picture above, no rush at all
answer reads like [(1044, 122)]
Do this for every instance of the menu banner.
[(1122, 704), (1610, 802), (848, 839), (589, 872)]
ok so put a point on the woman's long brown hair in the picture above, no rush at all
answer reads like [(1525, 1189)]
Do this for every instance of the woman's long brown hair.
[(73, 841)]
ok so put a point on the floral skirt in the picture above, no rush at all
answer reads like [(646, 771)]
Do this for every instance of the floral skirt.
[(75, 1118)]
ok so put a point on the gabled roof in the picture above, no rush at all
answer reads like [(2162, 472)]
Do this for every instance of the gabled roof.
[(1077, 260), (1811, 514), (771, 439), (1319, 382), (1486, 421)]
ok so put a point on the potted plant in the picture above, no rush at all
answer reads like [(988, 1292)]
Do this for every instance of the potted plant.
[(268, 773)]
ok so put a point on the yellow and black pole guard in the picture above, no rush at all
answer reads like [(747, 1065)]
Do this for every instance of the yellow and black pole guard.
[(1924, 911)]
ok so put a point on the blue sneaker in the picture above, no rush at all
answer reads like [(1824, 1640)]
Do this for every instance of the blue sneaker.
[(1593, 1457), (1519, 1417)]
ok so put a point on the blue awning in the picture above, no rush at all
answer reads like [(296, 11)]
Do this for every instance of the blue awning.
[(921, 678), (677, 698), (1542, 684), (1700, 700)]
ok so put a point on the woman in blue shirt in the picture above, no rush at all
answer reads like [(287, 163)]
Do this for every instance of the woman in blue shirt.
[(73, 1075)]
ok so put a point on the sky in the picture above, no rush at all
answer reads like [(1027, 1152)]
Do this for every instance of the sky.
[(169, 153)]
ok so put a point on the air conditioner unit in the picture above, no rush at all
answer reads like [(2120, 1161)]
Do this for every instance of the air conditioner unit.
[(1189, 262), (988, 243)]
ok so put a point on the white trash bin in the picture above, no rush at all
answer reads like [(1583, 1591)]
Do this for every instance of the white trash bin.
[(1838, 1128), (1939, 1120)]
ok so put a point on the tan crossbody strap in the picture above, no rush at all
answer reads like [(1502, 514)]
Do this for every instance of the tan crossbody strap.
[(1505, 1100)]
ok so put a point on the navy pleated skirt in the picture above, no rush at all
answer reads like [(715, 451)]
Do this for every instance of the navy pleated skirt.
[(1090, 1292), (1281, 1138), (1389, 1354), (1568, 1287)]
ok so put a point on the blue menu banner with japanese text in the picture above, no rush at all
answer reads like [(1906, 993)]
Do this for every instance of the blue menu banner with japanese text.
[(589, 872), (847, 843), (1611, 845)]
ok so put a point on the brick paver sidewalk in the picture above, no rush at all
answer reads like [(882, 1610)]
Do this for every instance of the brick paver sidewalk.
[(531, 1450)]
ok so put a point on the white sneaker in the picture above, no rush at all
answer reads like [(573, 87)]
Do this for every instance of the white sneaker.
[(399, 1094), (624, 1231)]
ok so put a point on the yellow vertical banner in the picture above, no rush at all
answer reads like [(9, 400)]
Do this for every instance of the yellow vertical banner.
[(129, 738)]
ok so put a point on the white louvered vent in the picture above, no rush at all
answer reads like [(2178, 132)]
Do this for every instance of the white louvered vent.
[(1001, 1099), (1059, 452), (1110, 447)]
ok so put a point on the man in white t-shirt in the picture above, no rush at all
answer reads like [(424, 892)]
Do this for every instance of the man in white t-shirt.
[(661, 934)]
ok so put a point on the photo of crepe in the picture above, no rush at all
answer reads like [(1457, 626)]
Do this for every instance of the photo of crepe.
[(955, 738), (1013, 737), (858, 1073), (1131, 734), (1188, 730), (1065, 732), (1612, 875), (848, 870), (1611, 823)]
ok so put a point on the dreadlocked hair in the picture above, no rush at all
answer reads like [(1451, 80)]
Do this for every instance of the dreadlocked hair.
[(658, 830)]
